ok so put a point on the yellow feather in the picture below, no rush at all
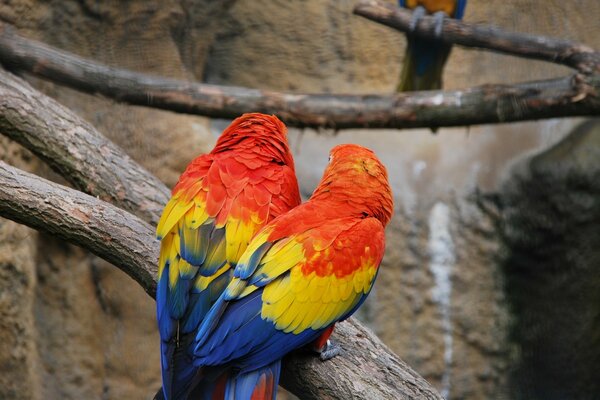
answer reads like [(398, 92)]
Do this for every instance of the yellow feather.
[(176, 246), (249, 289), (358, 279), (236, 287), (174, 272), (334, 289), (171, 216), (276, 263), (305, 294), (298, 283), (238, 235), (328, 292), (274, 311), (198, 216), (346, 288), (370, 274), (202, 282), (186, 268), (296, 325), (165, 250), (321, 285), (311, 313), (277, 289)]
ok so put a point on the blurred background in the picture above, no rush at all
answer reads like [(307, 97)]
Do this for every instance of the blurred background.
[(490, 287)]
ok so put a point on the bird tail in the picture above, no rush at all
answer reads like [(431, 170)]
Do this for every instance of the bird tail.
[(260, 384), (423, 65)]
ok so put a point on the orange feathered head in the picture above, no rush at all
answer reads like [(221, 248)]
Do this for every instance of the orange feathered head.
[(356, 176), (257, 133)]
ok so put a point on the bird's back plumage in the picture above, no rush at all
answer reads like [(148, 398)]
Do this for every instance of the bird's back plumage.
[(221, 200), (304, 271)]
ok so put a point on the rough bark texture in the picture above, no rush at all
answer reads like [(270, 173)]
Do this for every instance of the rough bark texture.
[(381, 374), (574, 55), (571, 96), (76, 150), (105, 230), (129, 243)]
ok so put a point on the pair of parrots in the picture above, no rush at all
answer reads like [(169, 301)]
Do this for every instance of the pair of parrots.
[(424, 59), (247, 274)]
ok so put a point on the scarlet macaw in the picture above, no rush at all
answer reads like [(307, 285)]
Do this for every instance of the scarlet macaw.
[(424, 58), (221, 200), (303, 272)]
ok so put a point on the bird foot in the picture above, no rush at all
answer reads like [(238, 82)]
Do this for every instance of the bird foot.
[(330, 350), (438, 18), (418, 13)]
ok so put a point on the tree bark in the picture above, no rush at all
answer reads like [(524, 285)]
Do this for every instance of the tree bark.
[(566, 97), (76, 150), (571, 54), (367, 369), (107, 231)]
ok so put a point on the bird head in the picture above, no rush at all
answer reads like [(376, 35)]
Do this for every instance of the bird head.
[(355, 175), (257, 133)]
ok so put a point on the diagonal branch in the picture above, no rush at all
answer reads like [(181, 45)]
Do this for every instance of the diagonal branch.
[(76, 150), (129, 243), (107, 231), (564, 97), (571, 54)]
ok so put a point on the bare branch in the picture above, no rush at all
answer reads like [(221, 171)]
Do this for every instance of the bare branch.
[(76, 150), (366, 369), (129, 243), (105, 230), (564, 97), (571, 54)]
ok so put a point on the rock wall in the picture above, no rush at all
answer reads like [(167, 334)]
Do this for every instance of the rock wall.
[(551, 210), (73, 327)]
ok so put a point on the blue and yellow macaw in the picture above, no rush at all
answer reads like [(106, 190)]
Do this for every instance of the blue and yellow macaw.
[(425, 59)]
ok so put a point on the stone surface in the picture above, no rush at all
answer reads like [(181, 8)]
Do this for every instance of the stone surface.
[(551, 210), (73, 327)]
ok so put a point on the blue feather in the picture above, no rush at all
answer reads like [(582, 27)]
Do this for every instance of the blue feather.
[(242, 338), (194, 243), (243, 271)]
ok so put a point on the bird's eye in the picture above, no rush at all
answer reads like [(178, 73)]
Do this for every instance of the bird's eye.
[(330, 158)]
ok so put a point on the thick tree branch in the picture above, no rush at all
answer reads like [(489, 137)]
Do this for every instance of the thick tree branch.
[(480, 105), (571, 54), (129, 243), (105, 230), (76, 150)]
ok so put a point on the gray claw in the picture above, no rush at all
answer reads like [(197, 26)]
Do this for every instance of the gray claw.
[(418, 13), (439, 18), (330, 350)]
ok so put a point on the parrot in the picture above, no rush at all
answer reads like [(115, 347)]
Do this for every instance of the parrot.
[(304, 271), (425, 58), (219, 203)]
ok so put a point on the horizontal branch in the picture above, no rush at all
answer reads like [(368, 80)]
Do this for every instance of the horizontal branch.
[(76, 150), (571, 54), (129, 243), (564, 97)]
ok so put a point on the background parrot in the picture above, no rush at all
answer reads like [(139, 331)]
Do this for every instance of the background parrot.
[(303, 272), (425, 59), (221, 200)]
